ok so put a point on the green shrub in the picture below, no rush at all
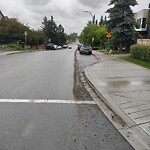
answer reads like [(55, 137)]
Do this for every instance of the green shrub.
[(103, 50), (14, 47), (95, 48), (115, 52), (141, 52)]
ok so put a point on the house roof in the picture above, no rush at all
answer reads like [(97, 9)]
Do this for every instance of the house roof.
[(1, 14)]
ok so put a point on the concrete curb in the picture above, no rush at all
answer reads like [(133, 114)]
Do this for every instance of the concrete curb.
[(16, 52)]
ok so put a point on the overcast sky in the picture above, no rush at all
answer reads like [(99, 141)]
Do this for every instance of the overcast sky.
[(69, 13)]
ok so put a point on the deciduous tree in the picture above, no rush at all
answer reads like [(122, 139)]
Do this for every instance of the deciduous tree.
[(94, 31)]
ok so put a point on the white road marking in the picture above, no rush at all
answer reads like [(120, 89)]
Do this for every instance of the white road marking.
[(46, 101)]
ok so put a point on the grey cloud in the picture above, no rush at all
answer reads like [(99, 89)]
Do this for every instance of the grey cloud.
[(69, 13), (36, 2), (94, 3)]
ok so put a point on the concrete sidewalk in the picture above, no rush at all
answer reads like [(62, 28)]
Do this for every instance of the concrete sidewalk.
[(3, 53), (125, 88)]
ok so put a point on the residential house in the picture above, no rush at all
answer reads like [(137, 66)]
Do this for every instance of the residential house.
[(141, 19), (1, 15)]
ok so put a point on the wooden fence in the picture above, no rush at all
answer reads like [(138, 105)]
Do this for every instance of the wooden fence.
[(143, 41)]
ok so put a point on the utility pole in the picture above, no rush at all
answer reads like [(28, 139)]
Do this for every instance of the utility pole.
[(25, 33)]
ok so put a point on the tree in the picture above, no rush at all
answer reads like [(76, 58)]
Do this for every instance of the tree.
[(93, 19), (96, 22), (61, 36), (96, 31), (72, 37), (101, 21), (50, 29), (36, 38), (12, 31), (56, 34), (105, 20), (122, 23), (89, 23)]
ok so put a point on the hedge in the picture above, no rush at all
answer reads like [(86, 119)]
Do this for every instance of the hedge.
[(141, 52), (95, 48), (14, 47)]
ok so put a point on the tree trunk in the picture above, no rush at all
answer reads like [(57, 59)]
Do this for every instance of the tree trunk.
[(120, 47)]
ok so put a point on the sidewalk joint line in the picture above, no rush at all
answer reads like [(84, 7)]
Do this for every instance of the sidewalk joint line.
[(143, 123), (142, 117), (138, 111), (136, 105)]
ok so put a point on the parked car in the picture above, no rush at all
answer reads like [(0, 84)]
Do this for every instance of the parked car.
[(55, 46), (65, 46), (50, 46), (79, 46), (69, 47), (85, 49), (59, 47)]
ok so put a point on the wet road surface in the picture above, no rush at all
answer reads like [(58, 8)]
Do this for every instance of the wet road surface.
[(50, 126), (38, 75), (56, 126)]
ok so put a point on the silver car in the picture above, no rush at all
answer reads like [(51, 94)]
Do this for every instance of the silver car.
[(85, 49)]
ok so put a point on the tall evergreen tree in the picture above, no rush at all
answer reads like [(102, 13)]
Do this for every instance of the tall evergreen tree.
[(122, 23), (50, 29), (89, 23), (61, 36), (101, 21), (94, 19), (54, 32), (105, 20), (96, 22)]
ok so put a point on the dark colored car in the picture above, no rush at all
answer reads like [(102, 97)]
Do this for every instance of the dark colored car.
[(85, 49), (50, 46), (78, 47)]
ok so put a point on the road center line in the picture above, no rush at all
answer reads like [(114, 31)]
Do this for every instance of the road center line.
[(46, 101)]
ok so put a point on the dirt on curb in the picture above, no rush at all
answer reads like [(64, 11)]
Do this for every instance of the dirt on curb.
[(79, 90)]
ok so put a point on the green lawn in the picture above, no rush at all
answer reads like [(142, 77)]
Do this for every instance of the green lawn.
[(136, 61)]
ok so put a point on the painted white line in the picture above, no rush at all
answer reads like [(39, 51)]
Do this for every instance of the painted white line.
[(46, 101)]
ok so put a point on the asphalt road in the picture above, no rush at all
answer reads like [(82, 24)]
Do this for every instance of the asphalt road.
[(38, 75), (51, 126)]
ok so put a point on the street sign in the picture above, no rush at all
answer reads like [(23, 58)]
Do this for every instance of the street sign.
[(25, 33), (108, 34), (92, 39)]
